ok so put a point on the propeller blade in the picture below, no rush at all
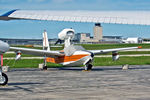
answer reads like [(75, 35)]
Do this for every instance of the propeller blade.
[(58, 41)]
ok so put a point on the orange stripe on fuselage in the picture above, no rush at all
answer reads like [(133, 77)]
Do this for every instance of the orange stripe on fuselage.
[(66, 58)]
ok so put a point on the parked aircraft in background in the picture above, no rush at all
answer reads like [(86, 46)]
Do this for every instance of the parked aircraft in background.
[(4, 47), (132, 40)]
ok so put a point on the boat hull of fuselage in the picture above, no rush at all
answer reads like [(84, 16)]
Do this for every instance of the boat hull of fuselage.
[(74, 60), (78, 62)]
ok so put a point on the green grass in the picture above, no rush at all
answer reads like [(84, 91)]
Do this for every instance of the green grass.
[(27, 63), (123, 60), (14, 55), (110, 46), (134, 52), (106, 61), (121, 53), (129, 52)]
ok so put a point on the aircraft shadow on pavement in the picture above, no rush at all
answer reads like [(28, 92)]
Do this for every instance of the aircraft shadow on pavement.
[(140, 68), (81, 69), (100, 68), (15, 88), (13, 84), (18, 86), (6, 89)]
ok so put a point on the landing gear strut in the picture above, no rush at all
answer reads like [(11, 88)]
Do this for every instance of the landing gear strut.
[(45, 64)]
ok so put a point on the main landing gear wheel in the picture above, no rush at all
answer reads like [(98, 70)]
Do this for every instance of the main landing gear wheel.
[(4, 79), (45, 68), (89, 67)]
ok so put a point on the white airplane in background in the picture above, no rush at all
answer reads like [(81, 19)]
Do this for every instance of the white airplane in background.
[(72, 55), (4, 47)]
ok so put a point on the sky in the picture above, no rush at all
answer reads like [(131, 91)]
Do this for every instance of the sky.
[(34, 29)]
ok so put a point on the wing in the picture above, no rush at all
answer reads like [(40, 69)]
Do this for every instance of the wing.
[(112, 50), (37, 52), (115, 17)]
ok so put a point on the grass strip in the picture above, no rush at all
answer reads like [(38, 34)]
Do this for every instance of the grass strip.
[(143, 60), (27, 63), (106, 61), (121, 53)]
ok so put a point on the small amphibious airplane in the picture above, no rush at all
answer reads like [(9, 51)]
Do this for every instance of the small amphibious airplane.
[(71, 55), (4, 47)]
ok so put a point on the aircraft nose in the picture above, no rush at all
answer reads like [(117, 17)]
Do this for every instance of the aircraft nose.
[(4, 47)]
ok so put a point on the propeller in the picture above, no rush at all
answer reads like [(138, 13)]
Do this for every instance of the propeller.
[(58, 41)]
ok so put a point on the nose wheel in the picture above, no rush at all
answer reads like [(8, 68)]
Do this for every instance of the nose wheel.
[(3, 79)]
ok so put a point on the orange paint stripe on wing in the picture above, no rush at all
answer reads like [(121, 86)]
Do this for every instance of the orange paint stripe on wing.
[(65, 58)]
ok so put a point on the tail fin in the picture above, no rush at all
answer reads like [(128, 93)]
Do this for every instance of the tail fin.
[(45, 41)]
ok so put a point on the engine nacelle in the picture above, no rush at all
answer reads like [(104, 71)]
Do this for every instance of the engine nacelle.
[(115, 56), (66, 33), (18, 55)]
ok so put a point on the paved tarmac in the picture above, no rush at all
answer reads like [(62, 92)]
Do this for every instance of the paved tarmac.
[(103, 83)]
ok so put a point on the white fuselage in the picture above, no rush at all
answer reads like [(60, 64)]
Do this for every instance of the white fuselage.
[(78, 58)]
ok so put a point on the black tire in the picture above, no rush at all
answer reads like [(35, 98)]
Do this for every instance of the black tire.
[(45, 68), (4, 76), (89, 67)]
